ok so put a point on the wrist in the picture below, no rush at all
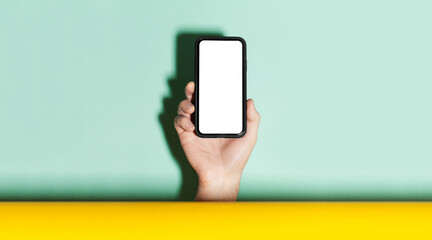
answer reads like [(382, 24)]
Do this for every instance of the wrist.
[(224, 188)]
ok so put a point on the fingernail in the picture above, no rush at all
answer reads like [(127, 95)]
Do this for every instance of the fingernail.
[(190, 125), (189, 106)]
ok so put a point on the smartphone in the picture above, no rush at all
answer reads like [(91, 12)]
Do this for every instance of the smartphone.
[(220, 87)]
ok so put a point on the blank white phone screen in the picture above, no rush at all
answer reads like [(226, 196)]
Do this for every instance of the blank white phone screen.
[(220, 87)]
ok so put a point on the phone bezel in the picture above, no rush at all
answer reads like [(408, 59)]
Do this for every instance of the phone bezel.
[(196, 96)]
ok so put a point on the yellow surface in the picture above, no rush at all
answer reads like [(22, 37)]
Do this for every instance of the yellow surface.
[(215, 220)]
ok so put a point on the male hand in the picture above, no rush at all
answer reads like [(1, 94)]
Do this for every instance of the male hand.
[(218, 162)]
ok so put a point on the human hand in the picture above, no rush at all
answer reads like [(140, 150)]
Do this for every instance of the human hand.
[(218, 162)]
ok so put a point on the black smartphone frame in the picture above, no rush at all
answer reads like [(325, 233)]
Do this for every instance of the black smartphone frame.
[(196, 95)]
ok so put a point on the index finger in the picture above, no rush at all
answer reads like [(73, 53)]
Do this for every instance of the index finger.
[(189, 90)]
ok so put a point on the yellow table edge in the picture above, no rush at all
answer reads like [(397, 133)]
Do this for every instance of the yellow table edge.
[(195, 220)]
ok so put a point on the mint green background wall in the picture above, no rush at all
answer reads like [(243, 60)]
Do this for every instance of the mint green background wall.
[(343, 87)]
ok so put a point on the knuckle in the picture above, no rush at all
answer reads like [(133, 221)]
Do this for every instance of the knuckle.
[(183, 121), (179, 110), (179, 119), (186, 106), (183, 103)]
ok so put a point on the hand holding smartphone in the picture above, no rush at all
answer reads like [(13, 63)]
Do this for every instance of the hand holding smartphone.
[(217, 103)]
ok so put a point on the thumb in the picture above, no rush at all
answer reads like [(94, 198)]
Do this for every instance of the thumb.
[(253, 119)]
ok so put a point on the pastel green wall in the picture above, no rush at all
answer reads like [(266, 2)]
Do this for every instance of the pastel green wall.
[(87, 90)]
